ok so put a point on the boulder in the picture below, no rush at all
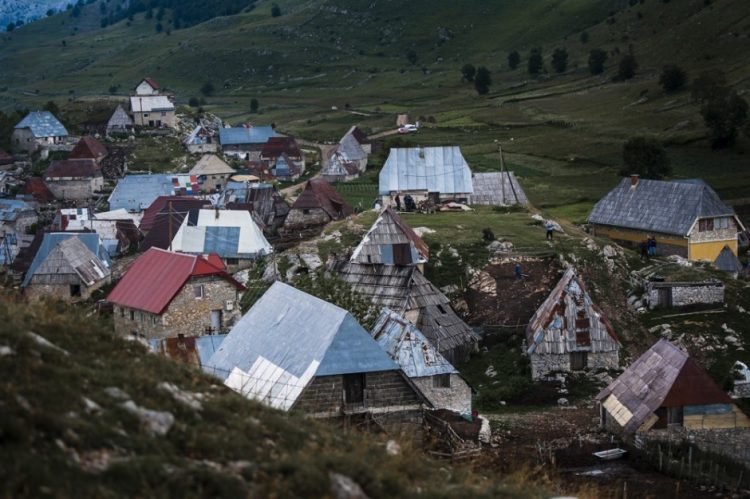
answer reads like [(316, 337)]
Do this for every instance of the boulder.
[(155, 423), (343, 487), (609, 251)]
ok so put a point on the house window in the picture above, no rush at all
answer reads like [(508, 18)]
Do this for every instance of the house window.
[(705, 225), (198, 291), (145, 115), (153, 320), (305, 212), (402, 254), (354, 388), (122, 312), (132, 315), (163, 113), (441, 381), (721, 223), (674, 416), (579, 360), (233, 261), (75, 290)]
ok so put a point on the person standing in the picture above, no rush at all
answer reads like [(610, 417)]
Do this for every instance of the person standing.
[(398, 202), (519, 275), (651, 246), (550, 227), (644, 250)]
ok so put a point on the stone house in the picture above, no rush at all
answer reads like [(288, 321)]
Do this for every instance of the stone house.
[(318, 204), (687, 218), (435, 377), (74, 179), (212, 173), (67, 266), (665, 388), (245, 142), (164, 294), (89, 148), (435, 173), (569, 332), (154, 111), (39, 129), (293, 351), (232, 235), (286, 149), (682, 294)]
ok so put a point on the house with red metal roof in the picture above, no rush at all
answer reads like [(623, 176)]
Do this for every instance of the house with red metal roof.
[(318, 204), (164, 294), (89, 148)]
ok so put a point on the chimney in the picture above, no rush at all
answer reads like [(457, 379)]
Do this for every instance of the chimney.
[(217, 212), (634, 180)]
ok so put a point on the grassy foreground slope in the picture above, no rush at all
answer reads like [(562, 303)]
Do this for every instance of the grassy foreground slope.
[(65, 431)]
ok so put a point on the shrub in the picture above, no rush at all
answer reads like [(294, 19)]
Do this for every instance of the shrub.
[(645, 157), (597, 58), (482, 80), (514, 59), (627, 68), (560, 60), (536, 63), (672, 78), (468, 72)]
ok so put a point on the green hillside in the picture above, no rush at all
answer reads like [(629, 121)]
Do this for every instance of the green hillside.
[(563, 133)]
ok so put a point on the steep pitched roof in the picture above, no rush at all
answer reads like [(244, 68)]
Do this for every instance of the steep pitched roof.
[(320, 194), (286, 339), (497, 189), (377, 245), (246, 135), (569, 321), (151, 83), (434, 169), (211, 164), (666, 207), (73, 168), (285, 167), (228, 233), (43, 124), (358, 134), (728, 261), (276, 146), (157, 276), (88, 147), (51, 240), (119, 120), (406, 345), (664, 376), (350, 149), (72, 256)]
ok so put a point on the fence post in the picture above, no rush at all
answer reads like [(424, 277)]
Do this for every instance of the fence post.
[(690, 460)]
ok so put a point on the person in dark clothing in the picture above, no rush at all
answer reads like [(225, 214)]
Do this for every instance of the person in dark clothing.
[(651, 246), (397, 199), (644, 250), (550, 229), (519, 275)]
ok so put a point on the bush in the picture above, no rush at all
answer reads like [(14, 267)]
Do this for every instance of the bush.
[(597, 58), (207, 89), (536, 63), (254, 105), (724, 114), (468, 72), (560, 60), (585, 37), (707, 85), (514, 59), (482, 80), (275, 11), (627, 68), (488, 235), (672, 78), (194, 102), (645, 157)]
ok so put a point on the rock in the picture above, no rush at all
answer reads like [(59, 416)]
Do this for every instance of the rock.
[(242, 276), (490, 372), (637, 304), (537, 217), (562, 402), (6, 350), (609, 251), (679, 260), (310, 260), (732, 340), (485, 431), (90, 406), (500, 247), (421, 231), (271, 272), (484, 283), (632, 299), (343, 487), (116, 393), (392, 448), (727, 329), (156, 423), (44, 342), (590, 244), (453, 251), (333, 236), (451, 288), (184, 397)]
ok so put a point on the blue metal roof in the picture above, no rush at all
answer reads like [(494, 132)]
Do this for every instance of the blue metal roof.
[(204, 345), (224, 241), (295, 332), (241, 135), (406, 344), (51, 239), (43, 124), (137, 192), (11, 208)]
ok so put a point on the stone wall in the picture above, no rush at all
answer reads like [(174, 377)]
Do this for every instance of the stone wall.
[(543, 364), (729, 233), (688, 293), (298, 219), (37, 291), (733, 443), (456, 398), (741, 390), (75, 189), (186, 314)]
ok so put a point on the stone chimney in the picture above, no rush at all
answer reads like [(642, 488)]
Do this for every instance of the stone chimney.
[(634, 178)]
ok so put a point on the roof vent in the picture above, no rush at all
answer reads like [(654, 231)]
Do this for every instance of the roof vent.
[(421, 151), (634, 178)]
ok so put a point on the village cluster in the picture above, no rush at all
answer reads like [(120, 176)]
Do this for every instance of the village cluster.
[(174, 247)]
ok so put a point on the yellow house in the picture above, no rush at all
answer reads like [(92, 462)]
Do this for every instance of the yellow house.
[(686, 218)]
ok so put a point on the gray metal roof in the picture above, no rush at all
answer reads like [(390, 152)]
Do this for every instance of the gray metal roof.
[(659, 206), (350, 149), (728, 261), (497, 189), (287, 338), (406, 344), (246, 135), (434, 169), (43, 124), (52, 239), (137, 192), (68, 258)]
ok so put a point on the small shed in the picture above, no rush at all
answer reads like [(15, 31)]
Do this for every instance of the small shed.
[(569, 332), (497, 189), (435, 377), (318, 204), (664, 387), (390, 241), (120, 122)]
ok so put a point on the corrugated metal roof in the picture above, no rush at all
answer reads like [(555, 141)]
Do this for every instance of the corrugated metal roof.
[(663, 376), (52, 239), (406, 344), (246, 135), (350, 149), (665, 207), (11, 209), (150, 103), (286, 339), (157, 276), (497, 189), (137, 192), (119, 120), (432, 169), (229, 233), (43, 124), (193, 350)]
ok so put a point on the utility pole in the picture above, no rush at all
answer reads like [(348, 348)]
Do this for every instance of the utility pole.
[(170, 225), (507, 175)]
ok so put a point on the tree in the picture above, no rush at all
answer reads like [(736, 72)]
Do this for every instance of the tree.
[(536, 63), (645, 157), (514, 59), (194, 102), (159, 28), (597, 58), (724, 114), (10, 27), (560, 60), (482, 80), (411, 56), (672, 78), (585, 37), (52, 108), (275, 10), (149, 13), (76, 11), (254, 105), (207, 89), (627, 68), (707, 85), (50, 12), (468, 72)]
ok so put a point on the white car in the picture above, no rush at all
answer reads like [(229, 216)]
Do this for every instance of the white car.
[(408, 128)]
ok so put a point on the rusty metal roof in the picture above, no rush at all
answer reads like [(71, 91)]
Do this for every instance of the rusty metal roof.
[(320, 194), (88, 148)]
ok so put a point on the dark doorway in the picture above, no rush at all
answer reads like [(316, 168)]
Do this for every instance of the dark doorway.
[(354, 388), (674, 416), (665, 297), (579, 360), (402, 254), (75, 290)]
